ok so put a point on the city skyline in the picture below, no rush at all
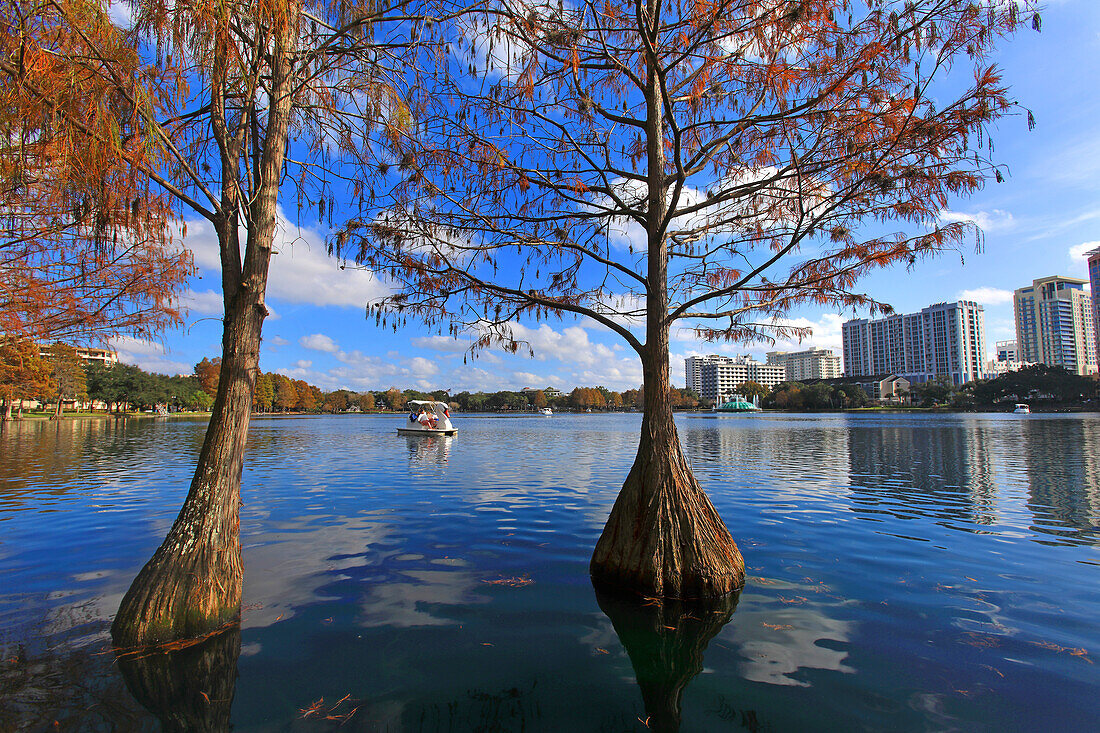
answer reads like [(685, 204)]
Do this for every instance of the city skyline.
[(1040, 222)]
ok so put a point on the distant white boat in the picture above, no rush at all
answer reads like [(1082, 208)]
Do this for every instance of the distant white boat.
[(546, 411), (1021, 409), (427, 417)]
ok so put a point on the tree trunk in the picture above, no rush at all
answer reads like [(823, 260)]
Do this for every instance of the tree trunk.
[(663, 538), (58, 410), (192, 584), (7, 410)]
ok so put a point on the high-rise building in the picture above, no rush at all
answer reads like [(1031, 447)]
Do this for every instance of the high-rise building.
[(1054, 324), (1094, 280), (812, 363), (942, 340), (716, 377), (1007, 351)]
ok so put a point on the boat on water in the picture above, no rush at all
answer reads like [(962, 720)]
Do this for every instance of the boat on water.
[(1022, 409), (546, 411), (427, 417), (737, 403)]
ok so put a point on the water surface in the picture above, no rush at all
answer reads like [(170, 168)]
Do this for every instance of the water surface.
[(906, 572)]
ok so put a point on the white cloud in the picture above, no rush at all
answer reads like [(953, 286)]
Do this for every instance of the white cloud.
[(206, 302), (277, 341), (987, 221), (151, 356), (318, 342), (301, 271), (987, 296), (445, 344), (422, 367), (570, 345), (1077, 257)]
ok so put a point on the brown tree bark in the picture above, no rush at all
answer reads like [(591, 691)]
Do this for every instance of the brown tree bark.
[(192, 584), (664, 538)]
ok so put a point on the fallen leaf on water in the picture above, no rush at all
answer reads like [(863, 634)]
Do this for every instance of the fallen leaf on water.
[(778, 627), (517, 582), (601, 650)]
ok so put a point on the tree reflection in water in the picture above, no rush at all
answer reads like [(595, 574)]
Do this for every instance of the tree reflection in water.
[(665, 640), (188, 689)]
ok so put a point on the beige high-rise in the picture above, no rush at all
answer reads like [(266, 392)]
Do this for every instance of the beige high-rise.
[(1054, 324)]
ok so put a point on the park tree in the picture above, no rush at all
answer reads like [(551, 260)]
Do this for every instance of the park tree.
[(538, 400), (708, 166), (366, 402), (264, 394), (752, 390), (23, 372), (66, 375), (85, 244), (262, 95), (395, 399), (286, 393), (207, 371)]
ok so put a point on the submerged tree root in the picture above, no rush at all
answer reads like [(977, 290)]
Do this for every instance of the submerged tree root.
[(664, 538)]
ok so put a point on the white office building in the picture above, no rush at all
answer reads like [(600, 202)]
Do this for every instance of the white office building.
[(942, 340), (812, 363), (1054, 324), (716, 378)]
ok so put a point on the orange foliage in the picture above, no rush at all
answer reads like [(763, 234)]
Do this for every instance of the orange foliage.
[(86, 248)]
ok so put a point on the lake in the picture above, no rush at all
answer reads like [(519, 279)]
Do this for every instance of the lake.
[(905, 572)]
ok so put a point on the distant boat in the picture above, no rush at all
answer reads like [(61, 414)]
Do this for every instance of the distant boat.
[(546, 411), (737, 404), (428, 417), (1021, 409)]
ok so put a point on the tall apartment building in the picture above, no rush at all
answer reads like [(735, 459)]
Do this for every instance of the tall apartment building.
[(942, 340), (812, 363), (1055, 324), (717, 377), (1094, 280)]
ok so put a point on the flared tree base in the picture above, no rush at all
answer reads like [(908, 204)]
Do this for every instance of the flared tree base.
[(664, 538)]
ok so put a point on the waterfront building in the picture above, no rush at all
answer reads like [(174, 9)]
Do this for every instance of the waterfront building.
[(548, 392), (942, 340), (719, 376), (1054, 324), (1007, 351), (1094, 281), (882, 387), (812, 363), (1006, 359), (107, 357)]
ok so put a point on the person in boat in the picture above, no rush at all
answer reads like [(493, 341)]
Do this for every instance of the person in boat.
[(426, 420)]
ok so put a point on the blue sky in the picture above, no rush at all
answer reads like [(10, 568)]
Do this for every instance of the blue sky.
[(1039, 222)]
